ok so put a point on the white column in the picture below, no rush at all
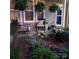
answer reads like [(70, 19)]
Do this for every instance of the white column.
[(24, 16), (34, 14), (36, 20), (20, 12), (64, 13), (44, 14)]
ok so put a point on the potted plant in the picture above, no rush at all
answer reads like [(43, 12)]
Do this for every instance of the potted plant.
[(39, 7), (54, 7), (21, 5)]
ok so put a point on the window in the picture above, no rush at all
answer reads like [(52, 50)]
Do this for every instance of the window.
[(30, 5), (40, 16), (59, 20), (59, 17), (28, 15), (59, 12)]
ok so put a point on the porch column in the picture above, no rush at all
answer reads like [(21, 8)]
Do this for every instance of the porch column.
[(20, 17), (65, 1)]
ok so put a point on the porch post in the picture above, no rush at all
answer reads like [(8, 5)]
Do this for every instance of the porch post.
[(64, 13)]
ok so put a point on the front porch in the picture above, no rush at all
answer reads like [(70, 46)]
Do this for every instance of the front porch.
[(30, 16)]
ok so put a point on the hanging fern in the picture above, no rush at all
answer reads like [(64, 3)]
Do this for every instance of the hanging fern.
[(40, 7), (54, 7), (21, 4)]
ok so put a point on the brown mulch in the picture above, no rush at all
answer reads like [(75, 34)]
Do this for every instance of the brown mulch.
[(53, 44), (24, 45)]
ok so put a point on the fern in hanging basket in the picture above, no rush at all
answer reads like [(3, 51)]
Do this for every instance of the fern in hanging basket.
[(43, 53), (20, 4), (54, 7), (39, 7)]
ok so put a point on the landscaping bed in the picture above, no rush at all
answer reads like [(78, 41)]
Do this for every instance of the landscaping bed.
[(21, 48)]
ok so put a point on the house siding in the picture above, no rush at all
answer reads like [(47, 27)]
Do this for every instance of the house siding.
[(13, 14)]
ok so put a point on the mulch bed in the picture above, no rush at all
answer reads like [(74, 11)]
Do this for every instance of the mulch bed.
[(24, 45), (54, 44)]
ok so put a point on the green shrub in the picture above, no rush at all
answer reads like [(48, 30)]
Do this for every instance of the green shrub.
[(43, 53), (62, 36), (65, 53), (54, 7), (39, 7), (14, 54), (66, 29), (13, 27)]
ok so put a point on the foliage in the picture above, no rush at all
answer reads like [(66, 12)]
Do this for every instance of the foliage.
[(13, 27), (35, 40), (66, 29), (43, 53), (61, 36), (14, 54), (65, 53), (42, 34), (45, 22), (54, 7), (40, 7), (51, 31), (21, 4)]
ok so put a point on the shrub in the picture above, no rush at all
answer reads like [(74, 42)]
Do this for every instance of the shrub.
[(54, 7), (13, 27), (65, 53), (62, 36), (66, 29), (35, 40), (51, 31), (43, 53), (14, 54), (39, 7)]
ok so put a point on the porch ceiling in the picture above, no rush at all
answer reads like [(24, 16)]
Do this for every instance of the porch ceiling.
[(57, 1)]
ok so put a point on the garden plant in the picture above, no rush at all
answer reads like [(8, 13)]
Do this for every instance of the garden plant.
[(39, 7), (54, 7), (43, 53)]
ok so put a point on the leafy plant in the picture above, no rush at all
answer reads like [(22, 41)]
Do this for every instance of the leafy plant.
[(62, 36), (13, 27), (35, 40), (39, 7), (66, 29), (54, 7), (14, 54), (43, 53), (20, 4), (52, 31), (65, 53)]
